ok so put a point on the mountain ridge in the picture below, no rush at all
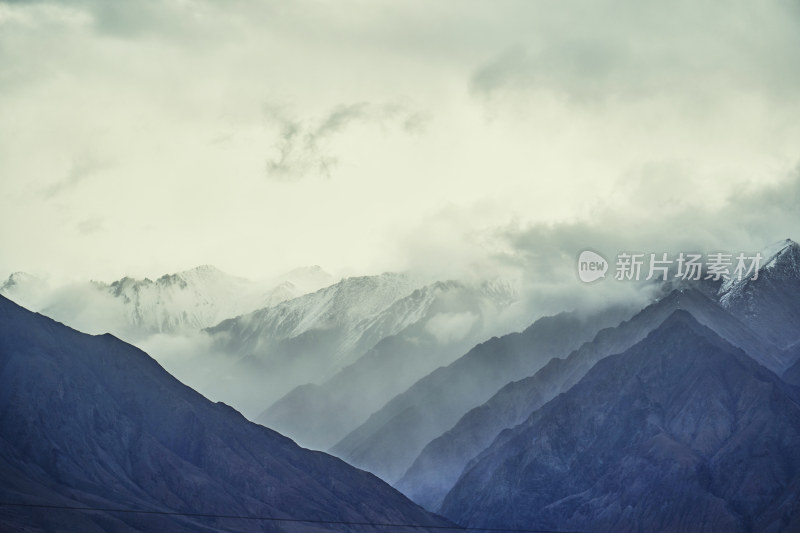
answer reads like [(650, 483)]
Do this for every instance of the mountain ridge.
[(444, 319), (437, 467), (389, 440), (654, 437), (94, 422)]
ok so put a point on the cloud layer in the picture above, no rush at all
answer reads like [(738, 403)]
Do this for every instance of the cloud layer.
[(148, 137)]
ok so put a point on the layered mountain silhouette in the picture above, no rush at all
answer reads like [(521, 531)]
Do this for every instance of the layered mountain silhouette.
[(311, 338), (90, 421), (441, 462), (441, 321), (391, 438), (681, 432), (684, 417)]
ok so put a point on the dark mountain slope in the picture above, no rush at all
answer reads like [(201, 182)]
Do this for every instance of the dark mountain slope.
[(92, 421), (442, 461), (389, 440), (792, 374), (682, 432)]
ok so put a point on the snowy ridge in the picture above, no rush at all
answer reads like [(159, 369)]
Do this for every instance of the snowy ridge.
[(192, 299), (427, 329), (174, 303), (357, 312), (770, 304), (771, 256), (347, 307), (436, 305)]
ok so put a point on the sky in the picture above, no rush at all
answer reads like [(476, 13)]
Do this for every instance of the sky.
[(458, 138)]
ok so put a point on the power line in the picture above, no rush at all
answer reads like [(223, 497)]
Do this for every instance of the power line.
[(276, 519)]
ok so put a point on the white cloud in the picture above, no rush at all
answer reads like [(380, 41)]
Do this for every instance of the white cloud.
[(451, 327), (438, 123)]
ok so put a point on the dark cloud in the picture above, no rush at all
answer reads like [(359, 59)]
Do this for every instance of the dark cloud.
[(747, 221), (581, 70), (543, 256)]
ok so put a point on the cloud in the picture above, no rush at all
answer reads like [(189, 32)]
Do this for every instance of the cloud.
[(90, 225), (541, 257), (559, 113), (303, 146), (593, 52), (451, 327), (81, 168), (747, 221)]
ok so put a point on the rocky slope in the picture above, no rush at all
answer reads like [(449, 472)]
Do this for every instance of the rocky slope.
[(771, 303)]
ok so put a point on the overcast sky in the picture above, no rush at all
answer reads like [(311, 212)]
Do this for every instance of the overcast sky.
[(149, 137)]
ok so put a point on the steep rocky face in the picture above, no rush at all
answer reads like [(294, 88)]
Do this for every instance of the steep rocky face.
[(93, 422), (390, 439), (441, 462), (771, 303), (682, 432)]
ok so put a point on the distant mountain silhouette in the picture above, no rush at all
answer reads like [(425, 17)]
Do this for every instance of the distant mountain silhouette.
[(427, 329), (387, 443)]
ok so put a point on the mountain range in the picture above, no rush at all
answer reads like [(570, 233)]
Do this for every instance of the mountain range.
[(310, 339), (683, 415), (389, 440), (438, 466), (174, 303), (445, 459), (425, 330), (249, 343), (681, 432)]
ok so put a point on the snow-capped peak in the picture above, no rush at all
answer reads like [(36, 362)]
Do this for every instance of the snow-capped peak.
[(771, 256), (306, 279), (771, 253)]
